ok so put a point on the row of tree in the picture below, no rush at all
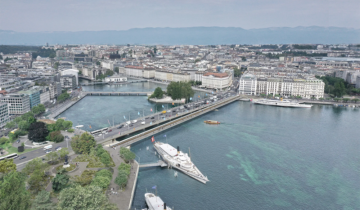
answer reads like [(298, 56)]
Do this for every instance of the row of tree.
[(179, 90)]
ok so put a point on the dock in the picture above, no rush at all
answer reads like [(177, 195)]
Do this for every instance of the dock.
[(159, 163), (97, 93)]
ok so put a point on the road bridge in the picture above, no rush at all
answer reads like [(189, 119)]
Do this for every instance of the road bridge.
[(162, 125), (94, 93), (112, 83)]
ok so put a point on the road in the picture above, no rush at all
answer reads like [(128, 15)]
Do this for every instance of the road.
[(158, 116)]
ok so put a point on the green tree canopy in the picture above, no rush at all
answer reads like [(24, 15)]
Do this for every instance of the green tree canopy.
[(38, 132), (83, 144), (101, 181), (60, 182), (7, 165), (339, 89), (24, 125), (56, 136), (84, 198), (116, 69), (121, 179), (158, 93), (179, 90), (126, 154), (34, 164), (36, 181), (52, 157), (43, 202), (10, 125), (63, 96), (63, 152), (13, 194)]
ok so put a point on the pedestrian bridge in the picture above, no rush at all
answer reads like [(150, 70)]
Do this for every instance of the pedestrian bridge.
[(159, 163)]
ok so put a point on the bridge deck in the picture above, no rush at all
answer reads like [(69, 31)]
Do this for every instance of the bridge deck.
[(170, 123)]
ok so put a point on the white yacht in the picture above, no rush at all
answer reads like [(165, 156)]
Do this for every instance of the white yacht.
[(281, 103), (155, 203), (179, 160)]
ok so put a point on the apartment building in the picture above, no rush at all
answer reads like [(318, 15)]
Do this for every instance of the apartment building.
[(216, 80), (4, 114), (34, 95), (68, 82), (18, 104), (248, 84), (54, 90)]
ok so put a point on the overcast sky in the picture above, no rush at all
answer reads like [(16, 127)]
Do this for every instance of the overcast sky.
[(95, 15)]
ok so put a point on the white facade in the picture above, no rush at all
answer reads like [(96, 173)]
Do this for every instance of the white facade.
[(17, 103), (306, 88), (216, 80), (44, 96), (71, 72), (181, 77), (149, 73), (247, 84), (134, 72)]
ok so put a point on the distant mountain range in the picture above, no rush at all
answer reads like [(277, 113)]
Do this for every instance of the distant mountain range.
[(191, 35)]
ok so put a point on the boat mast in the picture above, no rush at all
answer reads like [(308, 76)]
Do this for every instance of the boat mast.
[(189, 153)]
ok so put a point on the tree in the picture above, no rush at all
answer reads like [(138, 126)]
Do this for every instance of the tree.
[(83, 144), (84, 198), (10, 125), (38, 132), (17, 119), (98, 63), (60, 182), (355, 100), (35, 110), (116, 69), (179, 90), (13, 194), (243, 58), (42, 201), (3, 140), (7, 165), (23, 125), (63, 96), (34, 164), (345, 100), (36, 181), (67, 125), (121, 179), (56, 136), (125, 167), (52, 157), (339, 89), (126, 154), (158, 93), (101, 181), (104, 173), (63, 152)]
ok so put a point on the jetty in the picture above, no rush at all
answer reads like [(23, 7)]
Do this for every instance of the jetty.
[(159, 163)]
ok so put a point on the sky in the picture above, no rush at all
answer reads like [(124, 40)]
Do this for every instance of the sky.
[(96, 15)]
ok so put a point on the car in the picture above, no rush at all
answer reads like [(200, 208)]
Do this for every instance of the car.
[(152, 117), (143, 123), (56, 148), (131, 125), (48, 151), (154, 121), (174, 110), (109, 130), (23, 157), (146, 117), (100, 134), (120, 126)]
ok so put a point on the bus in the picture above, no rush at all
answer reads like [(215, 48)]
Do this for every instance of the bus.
[(14, 155)]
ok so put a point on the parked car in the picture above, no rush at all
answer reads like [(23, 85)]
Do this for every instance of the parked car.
[(120, 126), (58, 148), (109, 130), (152, 117), (23, 157), (47, 151)]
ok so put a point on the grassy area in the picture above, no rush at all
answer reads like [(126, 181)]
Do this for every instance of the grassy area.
[(72, 167), (10, 149)]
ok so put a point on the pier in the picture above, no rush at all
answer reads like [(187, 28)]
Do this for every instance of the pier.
[(161, 125), (159, 163)]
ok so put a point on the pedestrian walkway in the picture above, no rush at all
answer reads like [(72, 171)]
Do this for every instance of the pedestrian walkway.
[(121, 197)]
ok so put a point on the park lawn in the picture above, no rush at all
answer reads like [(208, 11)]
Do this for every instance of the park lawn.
[(94, 161), (9, 148)]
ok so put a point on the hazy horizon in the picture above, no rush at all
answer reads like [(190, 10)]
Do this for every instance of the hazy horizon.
[(94, 15)]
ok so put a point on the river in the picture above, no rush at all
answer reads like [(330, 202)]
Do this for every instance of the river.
[(259, 157)]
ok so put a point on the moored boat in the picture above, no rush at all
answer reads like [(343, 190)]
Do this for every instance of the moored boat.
[(211, 122), (178, 160), (281, 103), (154, 202)]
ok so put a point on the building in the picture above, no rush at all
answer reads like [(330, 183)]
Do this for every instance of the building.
[(18, 104), (72, 72), (181, 77), (216, 80), (44, 95), (34, 95), (116, 78), (134, 71), (54, 90), (285, 87), (68, 82), (149, 73), (4, 114), (247, 84)]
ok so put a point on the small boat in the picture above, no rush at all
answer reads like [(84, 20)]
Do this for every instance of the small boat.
[(211, 122)]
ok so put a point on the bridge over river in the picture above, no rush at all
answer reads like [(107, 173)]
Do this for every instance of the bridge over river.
[(158, 122)]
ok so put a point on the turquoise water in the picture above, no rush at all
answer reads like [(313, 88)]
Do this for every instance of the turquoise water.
[(260, 157)]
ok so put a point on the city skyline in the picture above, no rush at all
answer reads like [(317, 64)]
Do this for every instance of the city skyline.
[(121, 15)]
